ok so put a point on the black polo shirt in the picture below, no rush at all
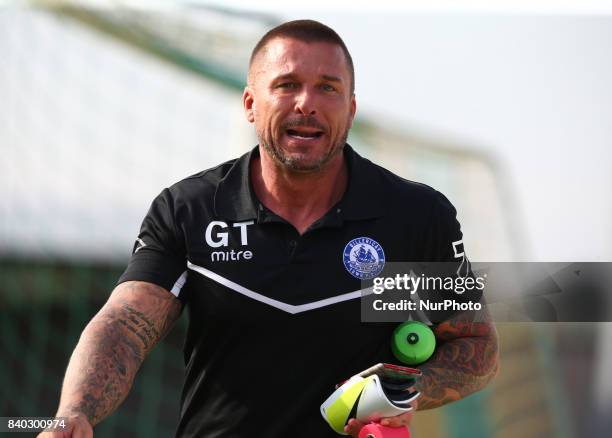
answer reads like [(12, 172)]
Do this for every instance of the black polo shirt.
[(274, 316)]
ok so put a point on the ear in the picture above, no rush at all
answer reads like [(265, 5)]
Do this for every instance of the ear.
[(248, 102), (352, 110)]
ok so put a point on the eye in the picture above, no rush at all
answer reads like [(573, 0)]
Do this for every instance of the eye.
[(287, 85), (328, 87)]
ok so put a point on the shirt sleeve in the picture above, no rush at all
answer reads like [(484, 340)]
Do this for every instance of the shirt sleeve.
[(159, 254), (445, 239), (447, 258)]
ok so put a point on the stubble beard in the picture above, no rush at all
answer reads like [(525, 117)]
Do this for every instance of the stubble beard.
[(296, 164)]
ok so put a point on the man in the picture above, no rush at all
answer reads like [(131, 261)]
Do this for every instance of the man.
[(258, 251)]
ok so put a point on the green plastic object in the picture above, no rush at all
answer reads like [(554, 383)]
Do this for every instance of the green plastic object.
[(413, 342)]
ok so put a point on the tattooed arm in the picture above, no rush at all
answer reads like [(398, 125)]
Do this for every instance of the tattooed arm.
[(465, 361), (110, 351)]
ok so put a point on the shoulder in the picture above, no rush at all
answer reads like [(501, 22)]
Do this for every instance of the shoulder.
[(199, 186), (399, 193)]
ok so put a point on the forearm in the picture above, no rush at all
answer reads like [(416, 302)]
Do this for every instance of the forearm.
[(101, 370), (112, 347), (459, 368)]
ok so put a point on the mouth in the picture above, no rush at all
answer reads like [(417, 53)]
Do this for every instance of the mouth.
[(304, 133)]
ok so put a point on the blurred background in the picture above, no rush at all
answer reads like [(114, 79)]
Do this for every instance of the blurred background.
[(506, 110)]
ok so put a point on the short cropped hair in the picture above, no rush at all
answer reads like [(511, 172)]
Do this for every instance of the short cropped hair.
[(308, 31)]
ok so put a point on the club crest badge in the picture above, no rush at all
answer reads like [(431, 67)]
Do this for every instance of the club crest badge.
[(363, 258)]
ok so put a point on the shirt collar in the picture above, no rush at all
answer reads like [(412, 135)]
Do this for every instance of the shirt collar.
[(235, 199)]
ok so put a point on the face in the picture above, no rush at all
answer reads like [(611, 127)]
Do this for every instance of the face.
[(299, 97)]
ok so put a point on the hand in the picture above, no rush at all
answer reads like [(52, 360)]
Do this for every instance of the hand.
[(78, 427), (353, 427)]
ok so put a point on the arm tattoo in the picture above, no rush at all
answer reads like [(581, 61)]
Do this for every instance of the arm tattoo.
[(113, 346), (465, 361), (141, 326)]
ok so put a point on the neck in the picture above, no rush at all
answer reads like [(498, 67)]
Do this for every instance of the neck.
[(299, 198)]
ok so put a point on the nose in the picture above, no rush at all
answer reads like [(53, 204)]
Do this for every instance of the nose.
[(305, 102)]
